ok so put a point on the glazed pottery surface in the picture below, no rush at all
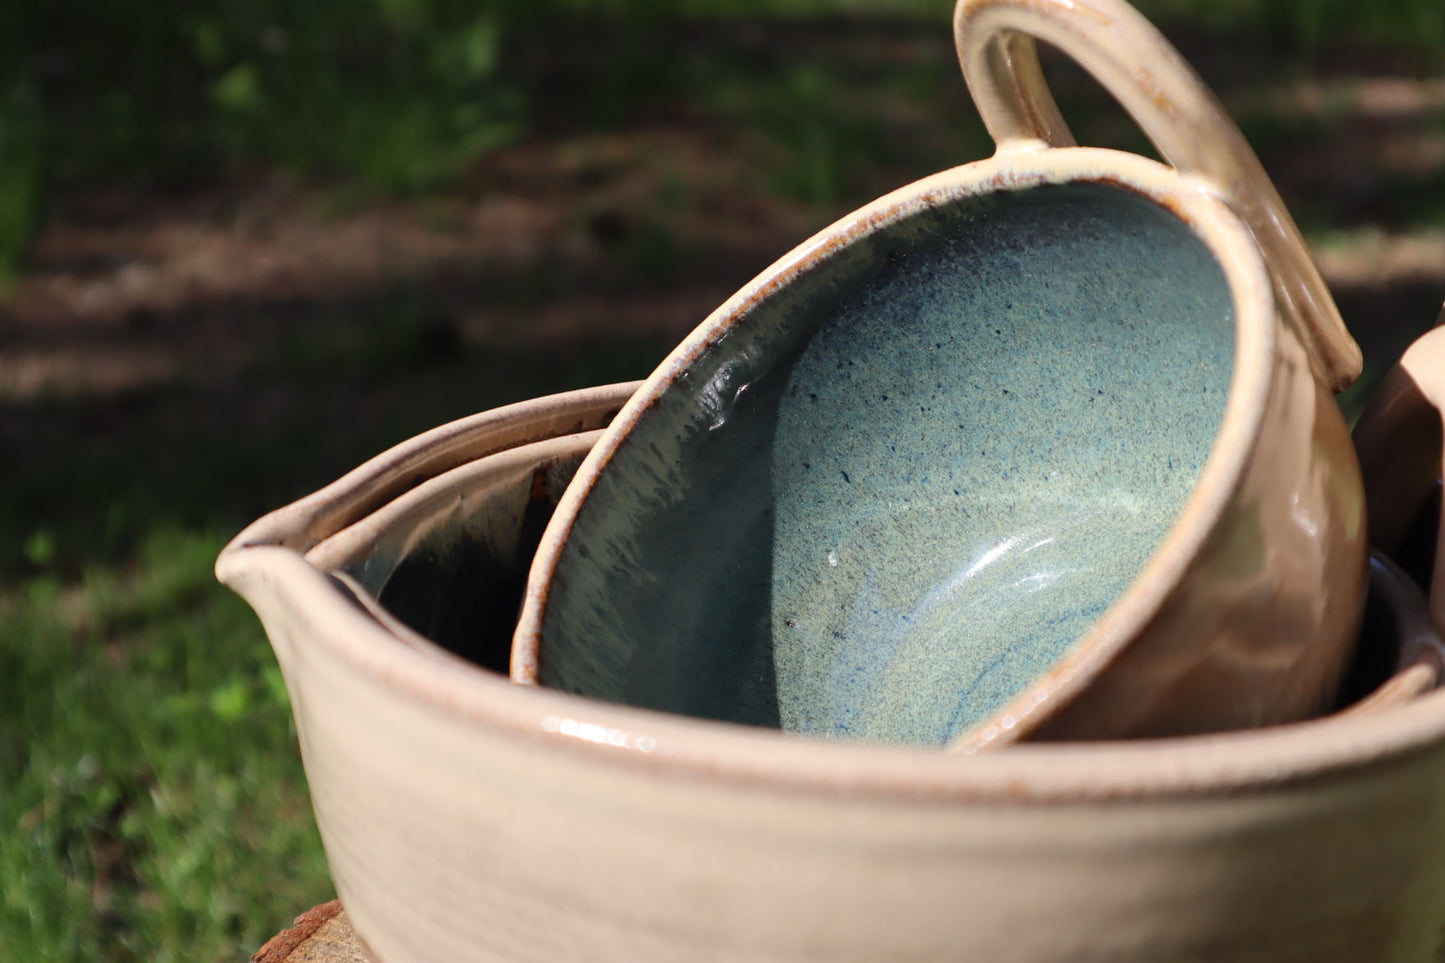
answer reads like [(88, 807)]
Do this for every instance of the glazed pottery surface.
[(1387, 675), (466, 818), (449, 558), (1039, 445), (1399, 435)]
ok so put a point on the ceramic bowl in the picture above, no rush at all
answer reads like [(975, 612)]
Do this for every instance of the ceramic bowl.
[(445, 563), (1399, 435), (1041, 445), (467, 818)]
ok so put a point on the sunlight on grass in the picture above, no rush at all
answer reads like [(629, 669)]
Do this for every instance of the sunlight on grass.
[(154, 805)]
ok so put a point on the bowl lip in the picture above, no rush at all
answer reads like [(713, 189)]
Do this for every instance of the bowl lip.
[(1190, 200), (390, 474), (346, 546), (576, 733)]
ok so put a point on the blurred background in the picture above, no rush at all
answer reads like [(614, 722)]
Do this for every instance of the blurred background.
[(246, 244)]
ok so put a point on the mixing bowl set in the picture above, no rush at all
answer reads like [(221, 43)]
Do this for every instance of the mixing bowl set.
[(990, 578)]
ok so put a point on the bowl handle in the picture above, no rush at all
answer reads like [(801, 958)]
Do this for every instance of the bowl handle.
[(1138, 67), (1399, 441)]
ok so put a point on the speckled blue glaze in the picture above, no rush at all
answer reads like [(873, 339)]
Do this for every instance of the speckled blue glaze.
[(901, 486)]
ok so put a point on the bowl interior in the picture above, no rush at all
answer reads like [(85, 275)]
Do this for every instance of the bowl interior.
[(907, 478), (449, 558)]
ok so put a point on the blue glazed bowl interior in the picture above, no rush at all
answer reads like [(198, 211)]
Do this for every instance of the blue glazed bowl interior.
[(903, 484)]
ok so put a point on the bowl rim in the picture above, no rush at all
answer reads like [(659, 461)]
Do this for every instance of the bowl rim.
[(345, 546), (264, 564), (1190, 200), (558, 726), (392, 473)]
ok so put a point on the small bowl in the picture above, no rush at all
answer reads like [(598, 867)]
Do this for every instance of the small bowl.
[(1042, 446)]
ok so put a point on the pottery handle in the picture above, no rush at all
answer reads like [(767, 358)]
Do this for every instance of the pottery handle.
[(1139, 68), (1399, 441)]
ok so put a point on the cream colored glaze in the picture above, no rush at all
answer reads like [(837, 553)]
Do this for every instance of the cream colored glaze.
[(469, 819), (372, 546), (428, 505)]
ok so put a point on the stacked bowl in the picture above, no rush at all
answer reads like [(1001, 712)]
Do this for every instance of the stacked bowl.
[(987, 580)]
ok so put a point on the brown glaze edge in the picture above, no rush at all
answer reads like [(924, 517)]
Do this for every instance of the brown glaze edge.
[(278, 949)]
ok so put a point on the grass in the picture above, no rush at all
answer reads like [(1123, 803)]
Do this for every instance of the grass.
[(137, 829)]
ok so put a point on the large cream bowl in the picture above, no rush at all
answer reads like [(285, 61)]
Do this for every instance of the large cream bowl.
[(466, 818)]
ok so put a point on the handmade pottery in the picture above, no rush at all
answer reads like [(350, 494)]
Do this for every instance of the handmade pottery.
[(445, 563), (1042, 445), (1402, 654), (466, 818), (1398, 436), (397, 471)]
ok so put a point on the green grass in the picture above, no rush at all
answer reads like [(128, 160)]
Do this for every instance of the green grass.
[(153, 806)]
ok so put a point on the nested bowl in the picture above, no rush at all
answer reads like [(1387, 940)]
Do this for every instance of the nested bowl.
[(467, 818)]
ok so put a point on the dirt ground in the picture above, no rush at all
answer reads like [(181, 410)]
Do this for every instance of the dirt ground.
[(127, 288), (575, 236)]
